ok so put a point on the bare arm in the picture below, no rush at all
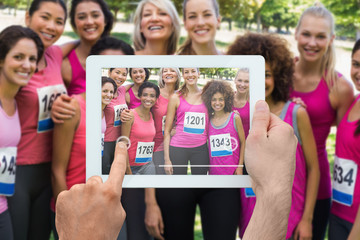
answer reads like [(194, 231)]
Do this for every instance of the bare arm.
[(355, 230), (241, 133), (67, 47), (66, 72), (63, 136), (341, 97), (170, 116), (304, 228), (270, 160), (125, 131), (153, 218)]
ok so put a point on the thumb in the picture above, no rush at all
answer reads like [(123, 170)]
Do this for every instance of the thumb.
[(261, 119)]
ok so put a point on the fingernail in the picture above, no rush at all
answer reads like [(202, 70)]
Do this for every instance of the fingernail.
[(122, 145), (261, 106)]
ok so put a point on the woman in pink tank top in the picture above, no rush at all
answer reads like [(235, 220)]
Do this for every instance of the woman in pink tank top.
[(278, 79), (325, 92), (21, 49), (138, 76), (91, 20), (344, 220)]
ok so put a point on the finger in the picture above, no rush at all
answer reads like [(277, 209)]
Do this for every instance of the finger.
[(65, 97), (118, 167), (296, 234), (161, 225), (261, 118), (94, 180)]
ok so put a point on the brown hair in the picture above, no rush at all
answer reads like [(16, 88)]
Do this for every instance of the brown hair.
[(218, 86)]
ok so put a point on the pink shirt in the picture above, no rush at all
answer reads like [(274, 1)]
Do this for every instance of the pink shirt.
[(36, 147), (217, 154), (245, 117), (346, 199), (134, 101), (322, 116), (159, 111), (75, 172), (10, 136), (112, 114), (191, 125), (78, 78), (141, 132)]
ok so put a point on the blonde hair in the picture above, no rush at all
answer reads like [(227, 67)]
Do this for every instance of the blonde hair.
[(161, 82), (167, 6), (183, 89), (328, 60), (186, 48)]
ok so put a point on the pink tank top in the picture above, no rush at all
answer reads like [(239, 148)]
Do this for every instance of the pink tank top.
[(78, 78), (159, 111), (322, 116), (10, 136), (245, 117), (142, 138), (191, 125), (134, 101), (75, 172), (288, 114), (346, 187), (224, 147), (112, 114), (35, 145)]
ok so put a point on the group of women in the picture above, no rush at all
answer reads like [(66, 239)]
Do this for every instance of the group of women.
[(50, 157)]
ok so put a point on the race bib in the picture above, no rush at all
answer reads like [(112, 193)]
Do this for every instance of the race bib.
[(102, 144), (249, 192), (345, 172), (144, 152), (7, 170), (117, 113), (220, 145), (47, 96), (194, 122), (163, 124)]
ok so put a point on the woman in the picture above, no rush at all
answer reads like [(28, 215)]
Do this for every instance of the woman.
[(157, 28), (201, 20), (241, 98), (90, 19), (344, 222), (325, 92), (169, 81), (29, 206), (278, 79), (139, 76), (21, 49)]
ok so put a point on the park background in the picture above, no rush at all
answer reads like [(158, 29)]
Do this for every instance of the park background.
[(238, 17)]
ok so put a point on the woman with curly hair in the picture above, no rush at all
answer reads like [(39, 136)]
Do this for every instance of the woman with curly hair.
[(279, 70), (157, 28)]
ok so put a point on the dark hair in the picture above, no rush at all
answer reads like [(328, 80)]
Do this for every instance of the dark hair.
[(355, 49), (276, 53), (147, 73), (35, 5), (108, 80), (218, 86), (148, 85), (13, 34), (108, 42), (112, 69), (109, 19)]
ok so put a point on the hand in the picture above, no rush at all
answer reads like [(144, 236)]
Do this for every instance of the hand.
[(173, 131), (239, 171), (62, 109), (126, 115), (154, 222), (168, 167), (299, 101), (303, 230), (93, 210)]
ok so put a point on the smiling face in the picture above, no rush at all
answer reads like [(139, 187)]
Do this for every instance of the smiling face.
[(138, 75), (313, 37), (169, 76), (155, 23), (190, 76), (269, 81), (89, 20), (48, 22), (107, 93), (355, 69), (218, 102), (242, 82), (148, 97), (118, 75), (20, 63), (201, 21)]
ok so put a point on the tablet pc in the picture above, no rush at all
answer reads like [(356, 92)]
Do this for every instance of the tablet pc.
[(96, 67)]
